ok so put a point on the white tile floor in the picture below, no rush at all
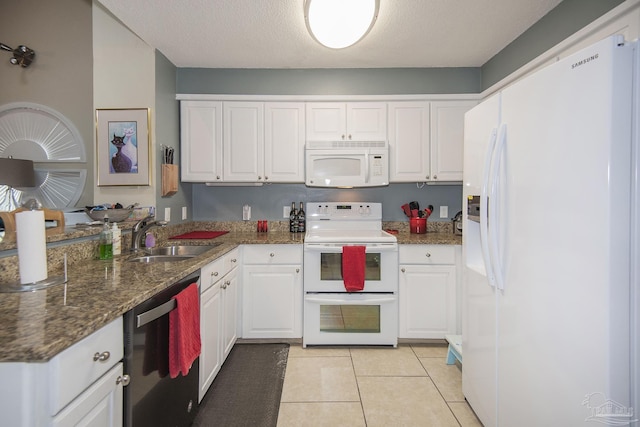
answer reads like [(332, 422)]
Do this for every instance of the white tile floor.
[(373, 386)]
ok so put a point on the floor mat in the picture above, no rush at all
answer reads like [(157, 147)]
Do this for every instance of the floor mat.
[(247, 390)]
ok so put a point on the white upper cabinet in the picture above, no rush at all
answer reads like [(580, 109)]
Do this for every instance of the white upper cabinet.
[(284, 142), (447, 139), (353, 121), (408, 141), (201, 141), (243, 148), (426, 140)]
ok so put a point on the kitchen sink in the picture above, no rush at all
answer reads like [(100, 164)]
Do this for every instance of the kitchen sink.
[(181, 250), (160, 258), (172, 253)]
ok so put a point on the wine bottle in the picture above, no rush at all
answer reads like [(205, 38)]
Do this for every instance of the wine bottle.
[(293, 223), (302, 219)]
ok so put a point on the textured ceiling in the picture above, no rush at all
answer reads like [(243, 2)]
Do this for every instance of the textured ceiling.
[(272, 33)]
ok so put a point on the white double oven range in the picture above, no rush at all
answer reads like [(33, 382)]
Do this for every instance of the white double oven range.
[(332, 314)]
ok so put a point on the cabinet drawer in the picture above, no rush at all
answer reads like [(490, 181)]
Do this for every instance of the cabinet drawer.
[(231, 260), (77, 367), (427, 254), (211, 273), (217, 269), (272, 254)]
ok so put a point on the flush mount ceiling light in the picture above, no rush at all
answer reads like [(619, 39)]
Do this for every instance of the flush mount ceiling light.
[(340, 23)]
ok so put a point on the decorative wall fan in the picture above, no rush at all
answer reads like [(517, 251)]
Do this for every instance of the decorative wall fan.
[(35, 132)]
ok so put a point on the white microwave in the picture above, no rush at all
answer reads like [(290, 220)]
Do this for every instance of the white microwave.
[(346, 163)]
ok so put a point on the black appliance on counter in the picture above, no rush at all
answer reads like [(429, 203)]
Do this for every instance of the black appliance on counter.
[(152, 397)]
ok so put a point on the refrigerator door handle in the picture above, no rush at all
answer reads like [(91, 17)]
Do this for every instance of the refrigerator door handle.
[(484, 222), (494, 250)]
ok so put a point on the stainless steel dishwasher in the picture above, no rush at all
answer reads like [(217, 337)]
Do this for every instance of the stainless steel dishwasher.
[(152, 397)]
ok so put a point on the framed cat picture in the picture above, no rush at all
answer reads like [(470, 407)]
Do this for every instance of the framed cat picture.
[(122, 146)]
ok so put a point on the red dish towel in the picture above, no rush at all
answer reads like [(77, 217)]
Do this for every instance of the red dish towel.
[(199, 235), (184, 331), (353, 260)]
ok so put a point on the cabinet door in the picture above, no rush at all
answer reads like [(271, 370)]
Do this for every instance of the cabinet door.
[(326, 121), (211, 352), (99, 405), (447, 139), (201, 141), (243, 149), (367, 121), (427, 304), (409, 141), (230, 312), (272, 301), (284, 142)]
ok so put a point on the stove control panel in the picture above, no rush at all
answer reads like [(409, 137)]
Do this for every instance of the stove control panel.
[(338, 211)]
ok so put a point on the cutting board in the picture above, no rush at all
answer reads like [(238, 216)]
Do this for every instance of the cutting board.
[(199, 235)]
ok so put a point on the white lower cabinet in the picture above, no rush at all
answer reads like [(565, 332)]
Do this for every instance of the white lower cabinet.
[(100, 405), (272, 291), (82, 385), (427, 291), (218, 316)]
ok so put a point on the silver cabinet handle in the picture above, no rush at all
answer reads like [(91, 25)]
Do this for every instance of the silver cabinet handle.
[(297, 270), (349, 136), (428, 254), (342, 136), (435, 176), (217, 176), (101, 357), (124, 380), (214, 273), (266, 178), (259, 177), (272, 254), (233, 260), (427, 176), (402, 269)]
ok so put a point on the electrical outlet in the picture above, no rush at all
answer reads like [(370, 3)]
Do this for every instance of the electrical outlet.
[(167, 214), (286, 210), (444, 211), (184, 212)]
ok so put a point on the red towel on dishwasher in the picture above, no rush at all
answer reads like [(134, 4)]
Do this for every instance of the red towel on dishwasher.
[(184, 331), (353, 268)]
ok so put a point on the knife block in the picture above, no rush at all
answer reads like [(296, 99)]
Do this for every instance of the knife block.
[(169, 179)]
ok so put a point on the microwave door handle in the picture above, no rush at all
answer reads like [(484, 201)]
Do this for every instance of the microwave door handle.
[(367, 159)]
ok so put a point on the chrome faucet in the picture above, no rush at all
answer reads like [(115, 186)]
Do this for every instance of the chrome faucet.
[(140, 228)]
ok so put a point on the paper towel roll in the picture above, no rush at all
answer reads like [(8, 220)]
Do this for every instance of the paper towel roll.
[(32, 246)]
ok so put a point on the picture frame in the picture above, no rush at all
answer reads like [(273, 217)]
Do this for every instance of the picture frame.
[(122, 146)]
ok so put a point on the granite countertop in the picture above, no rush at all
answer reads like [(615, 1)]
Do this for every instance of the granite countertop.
[(38, 325)]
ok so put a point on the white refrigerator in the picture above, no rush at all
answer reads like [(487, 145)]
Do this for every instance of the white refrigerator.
[(550, 245)]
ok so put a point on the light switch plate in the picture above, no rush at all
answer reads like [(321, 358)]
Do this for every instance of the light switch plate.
[(246, 212), (167, 214), (184, 212), (286, 210), (444, 211)]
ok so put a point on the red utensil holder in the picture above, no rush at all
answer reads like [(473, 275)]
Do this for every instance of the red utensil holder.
[(418, 225)]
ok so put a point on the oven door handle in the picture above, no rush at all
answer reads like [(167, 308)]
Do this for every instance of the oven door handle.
[(341, 300), (311, 247)]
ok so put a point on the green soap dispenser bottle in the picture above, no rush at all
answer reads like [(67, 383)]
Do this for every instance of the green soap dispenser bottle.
[(106, 241)]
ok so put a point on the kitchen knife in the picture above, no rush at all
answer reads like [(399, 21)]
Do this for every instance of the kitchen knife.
[(406, 210)]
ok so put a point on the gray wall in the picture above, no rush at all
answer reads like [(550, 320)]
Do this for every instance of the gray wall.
[(61, 76), (168, 133), (225, 203), (370, 81), (564, 20)]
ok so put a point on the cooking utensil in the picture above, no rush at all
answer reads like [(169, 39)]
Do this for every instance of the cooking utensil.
[(406, 210), (428, 211), (415, 208)]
